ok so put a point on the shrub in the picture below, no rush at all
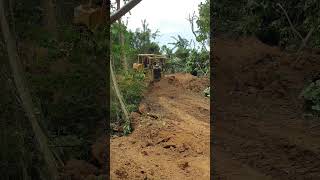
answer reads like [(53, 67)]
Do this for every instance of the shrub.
[(311, 94), (131, 85)]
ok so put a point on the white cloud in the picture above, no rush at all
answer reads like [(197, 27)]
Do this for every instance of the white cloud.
[(168, 16)]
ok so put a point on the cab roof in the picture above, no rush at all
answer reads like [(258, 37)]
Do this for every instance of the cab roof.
[(154, 56)]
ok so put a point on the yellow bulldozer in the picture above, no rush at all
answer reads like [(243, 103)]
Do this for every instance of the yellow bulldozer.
[(151, 64)]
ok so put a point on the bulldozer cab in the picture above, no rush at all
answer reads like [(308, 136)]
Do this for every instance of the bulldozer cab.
[(144, 59), (151, 64)]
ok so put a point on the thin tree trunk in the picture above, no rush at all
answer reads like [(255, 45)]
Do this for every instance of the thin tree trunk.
[(191, 20), (24, 94), (289, 20), (123, 55), (121, 37), (50, 20), (117, 91)]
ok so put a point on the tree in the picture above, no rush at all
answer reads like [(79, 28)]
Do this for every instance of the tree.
[(24, 94), (268, 22), (203, 22), (50, 20), (181, 46), (142, 39), (123, 56)]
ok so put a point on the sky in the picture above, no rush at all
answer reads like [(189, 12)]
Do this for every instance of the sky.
[(168, 16)]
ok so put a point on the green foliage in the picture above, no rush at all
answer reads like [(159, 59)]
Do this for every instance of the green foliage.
[(206, 92), (66, 76), (174, 64), (66, 102), (312, 96), (129, 50), (138, 42), (132, 86), (203, 22), (267, 21), (127, 128), (142, 40), (167, 51), (185, 58), (198, 62)]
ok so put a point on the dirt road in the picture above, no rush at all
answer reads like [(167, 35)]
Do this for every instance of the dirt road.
[(173, 141), (260, 130)]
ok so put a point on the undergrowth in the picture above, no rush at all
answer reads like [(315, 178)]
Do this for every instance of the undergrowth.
[(132, 86), (311, 95)]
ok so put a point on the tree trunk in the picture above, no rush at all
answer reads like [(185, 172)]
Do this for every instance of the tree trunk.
[(123, 55), (24, 94), (50, 20), (122, 49), (118, 93)]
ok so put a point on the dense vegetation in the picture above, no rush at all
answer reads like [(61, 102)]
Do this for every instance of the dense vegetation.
[(65, 70), (131, 84), (311, 94), (266, 20), (184, 56)]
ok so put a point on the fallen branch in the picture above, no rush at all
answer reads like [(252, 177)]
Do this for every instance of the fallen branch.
[(303, 40), (291, 25), (304, 43), (122, 11)]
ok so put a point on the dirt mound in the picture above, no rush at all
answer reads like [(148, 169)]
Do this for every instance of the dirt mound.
[(253, 65), (87, 170), (98, 151), (198, 85), (79, 170), (171, 138), (260, 131), (190, 82)]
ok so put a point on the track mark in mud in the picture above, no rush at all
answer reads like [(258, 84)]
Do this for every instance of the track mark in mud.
[(173, 146), (272, 155), (184, 110)]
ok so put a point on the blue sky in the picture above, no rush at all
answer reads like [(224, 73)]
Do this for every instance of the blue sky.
[(168, 16)]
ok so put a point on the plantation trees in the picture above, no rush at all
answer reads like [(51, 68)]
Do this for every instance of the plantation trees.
[(183, 57)]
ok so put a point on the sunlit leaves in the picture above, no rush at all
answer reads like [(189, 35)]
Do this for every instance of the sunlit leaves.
[(203, 21)]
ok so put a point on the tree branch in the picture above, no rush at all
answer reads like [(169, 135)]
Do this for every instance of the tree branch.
[(191, 21), (122, 11), (291, 25)]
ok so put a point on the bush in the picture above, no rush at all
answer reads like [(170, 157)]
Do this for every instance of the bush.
[(131, 85), (311, 94), (267, 21)]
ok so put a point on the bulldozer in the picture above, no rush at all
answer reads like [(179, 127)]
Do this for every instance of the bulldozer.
[(151, 64)]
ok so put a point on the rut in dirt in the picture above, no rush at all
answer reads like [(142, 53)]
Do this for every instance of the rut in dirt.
[(171, 137)]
